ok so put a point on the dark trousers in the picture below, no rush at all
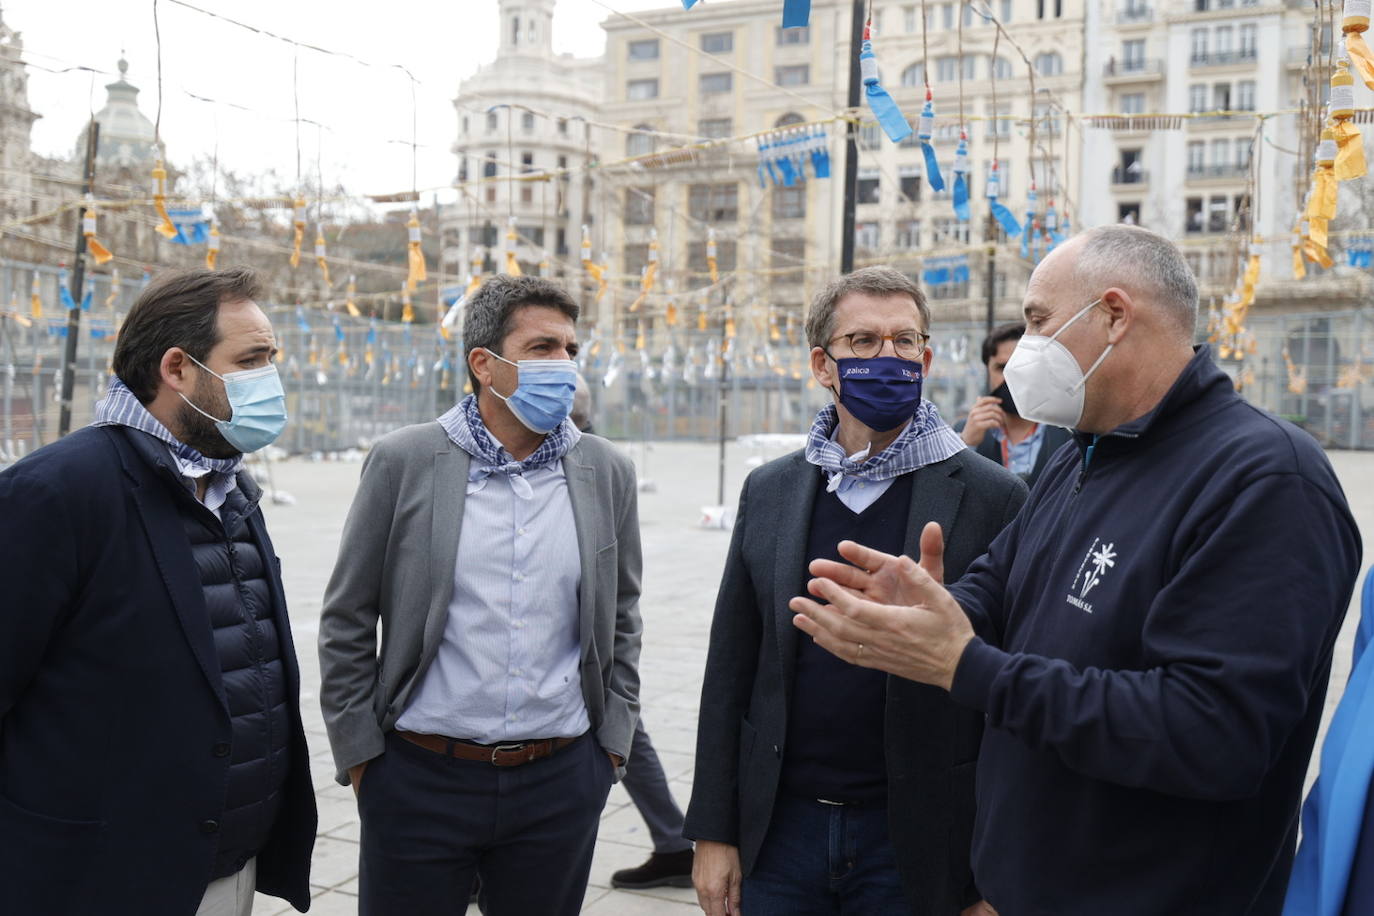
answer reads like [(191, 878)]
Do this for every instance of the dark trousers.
[(648, 789), (825, 860), (432, 824)]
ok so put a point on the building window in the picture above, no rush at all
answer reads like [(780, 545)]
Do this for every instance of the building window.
[(1047, 118), (789, 203), (1133, 103), (1221, 155), (1006, 11), (639, 90), (1199, 46), (462, 168), (1249, 41), (562, 163), (1133, 55), (1221, 97), (714, 203), (725, 257), (1128, 214), (491, 121), (1195, 220), (527, 120), (561, 244), (1197, 157), (515, 30), (644, 49), (1245, 95), (789, 119), (998, 122), (914, 75), (712, 83), (1242, 154), (635, 258), (526, 163), (465, 125), (1130, 171), (641, 142), (1197, 98), (489, 234), (909, 183), (867, 191), (526, 193), (947, 68), (1218, 214), (639, 206), (999, 68), (867, 235), (1049, 64), (792, 75), (799, 36), (1223, 42), (909, 233), (718, 42), (949, 230), (870, 136), (787, 258), (715, 128), (947, 15), (489, 165), (563, 126)]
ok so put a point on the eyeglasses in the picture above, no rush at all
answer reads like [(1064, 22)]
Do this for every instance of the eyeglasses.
[(866, 344)]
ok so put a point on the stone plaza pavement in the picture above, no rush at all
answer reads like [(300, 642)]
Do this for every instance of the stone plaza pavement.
[(682, 564)]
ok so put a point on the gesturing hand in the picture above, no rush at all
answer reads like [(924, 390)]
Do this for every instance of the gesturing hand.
[(887, 612)]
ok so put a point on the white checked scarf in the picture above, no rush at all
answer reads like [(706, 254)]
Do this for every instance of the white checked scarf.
[(926, 440), (120, 407), (463, 423)]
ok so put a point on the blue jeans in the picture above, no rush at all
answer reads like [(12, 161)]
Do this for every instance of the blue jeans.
[(826, 859)]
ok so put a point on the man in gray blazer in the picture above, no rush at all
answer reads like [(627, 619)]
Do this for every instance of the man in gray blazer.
[(499, 549), (824, 787)]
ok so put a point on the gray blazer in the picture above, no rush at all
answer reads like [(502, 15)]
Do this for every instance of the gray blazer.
[(396, 562), (931, 745)]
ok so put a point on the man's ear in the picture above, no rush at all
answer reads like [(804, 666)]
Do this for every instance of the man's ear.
[(1120, 310), (175, 370), (822, 368), (479, 361)]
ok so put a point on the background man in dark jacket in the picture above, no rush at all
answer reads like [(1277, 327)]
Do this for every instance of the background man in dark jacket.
[(1151, 638), (994, 429), (822, 787), (152, 761)]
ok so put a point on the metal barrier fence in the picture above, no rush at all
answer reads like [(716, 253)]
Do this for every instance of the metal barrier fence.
[(348, 381)]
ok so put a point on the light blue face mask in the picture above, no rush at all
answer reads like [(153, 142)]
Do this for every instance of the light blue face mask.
[(258, 406), (543, 395)]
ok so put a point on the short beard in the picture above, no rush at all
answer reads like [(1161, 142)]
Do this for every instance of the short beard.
[(199, 431)]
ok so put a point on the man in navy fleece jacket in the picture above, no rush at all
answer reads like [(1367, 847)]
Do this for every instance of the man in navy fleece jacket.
[(1151, 638)]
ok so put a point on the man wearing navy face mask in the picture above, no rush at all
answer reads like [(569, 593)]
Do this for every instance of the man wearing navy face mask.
[(152, 758), (498, 548), (822, 787)]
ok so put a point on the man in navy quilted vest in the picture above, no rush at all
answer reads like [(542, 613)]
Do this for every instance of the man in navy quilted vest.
[(152, 759)]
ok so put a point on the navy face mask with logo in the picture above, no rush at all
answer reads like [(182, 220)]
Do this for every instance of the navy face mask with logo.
[(882, 393)]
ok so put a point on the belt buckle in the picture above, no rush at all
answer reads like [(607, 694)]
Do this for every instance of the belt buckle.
[(518, 746)]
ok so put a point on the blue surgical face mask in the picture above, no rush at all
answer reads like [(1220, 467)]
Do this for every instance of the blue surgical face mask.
[(257, 404), (882, 393), (543, 395)]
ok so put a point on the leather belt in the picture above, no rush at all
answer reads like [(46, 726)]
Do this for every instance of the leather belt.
[(508, 754)]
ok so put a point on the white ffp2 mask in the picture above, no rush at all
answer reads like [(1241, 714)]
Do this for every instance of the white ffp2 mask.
[(1044, 378)]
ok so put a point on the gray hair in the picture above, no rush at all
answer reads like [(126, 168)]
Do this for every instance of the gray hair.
[(875, 281), (488, 314), (1143, 262)]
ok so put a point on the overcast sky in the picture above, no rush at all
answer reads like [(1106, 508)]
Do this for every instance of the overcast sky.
[(366, 110)]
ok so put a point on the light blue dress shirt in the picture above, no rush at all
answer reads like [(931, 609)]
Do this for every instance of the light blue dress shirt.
[(508, 666), (1022, 455)]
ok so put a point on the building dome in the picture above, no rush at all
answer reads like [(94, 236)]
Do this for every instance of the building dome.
[(126, 134)]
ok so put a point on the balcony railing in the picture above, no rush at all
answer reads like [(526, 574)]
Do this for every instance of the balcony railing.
[(1222, 58), (1229, 170), (1129, 175), (1133, 67), (1132, 14)]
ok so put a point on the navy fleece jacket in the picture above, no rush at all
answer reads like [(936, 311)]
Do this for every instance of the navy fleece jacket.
[(1154, 639)]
